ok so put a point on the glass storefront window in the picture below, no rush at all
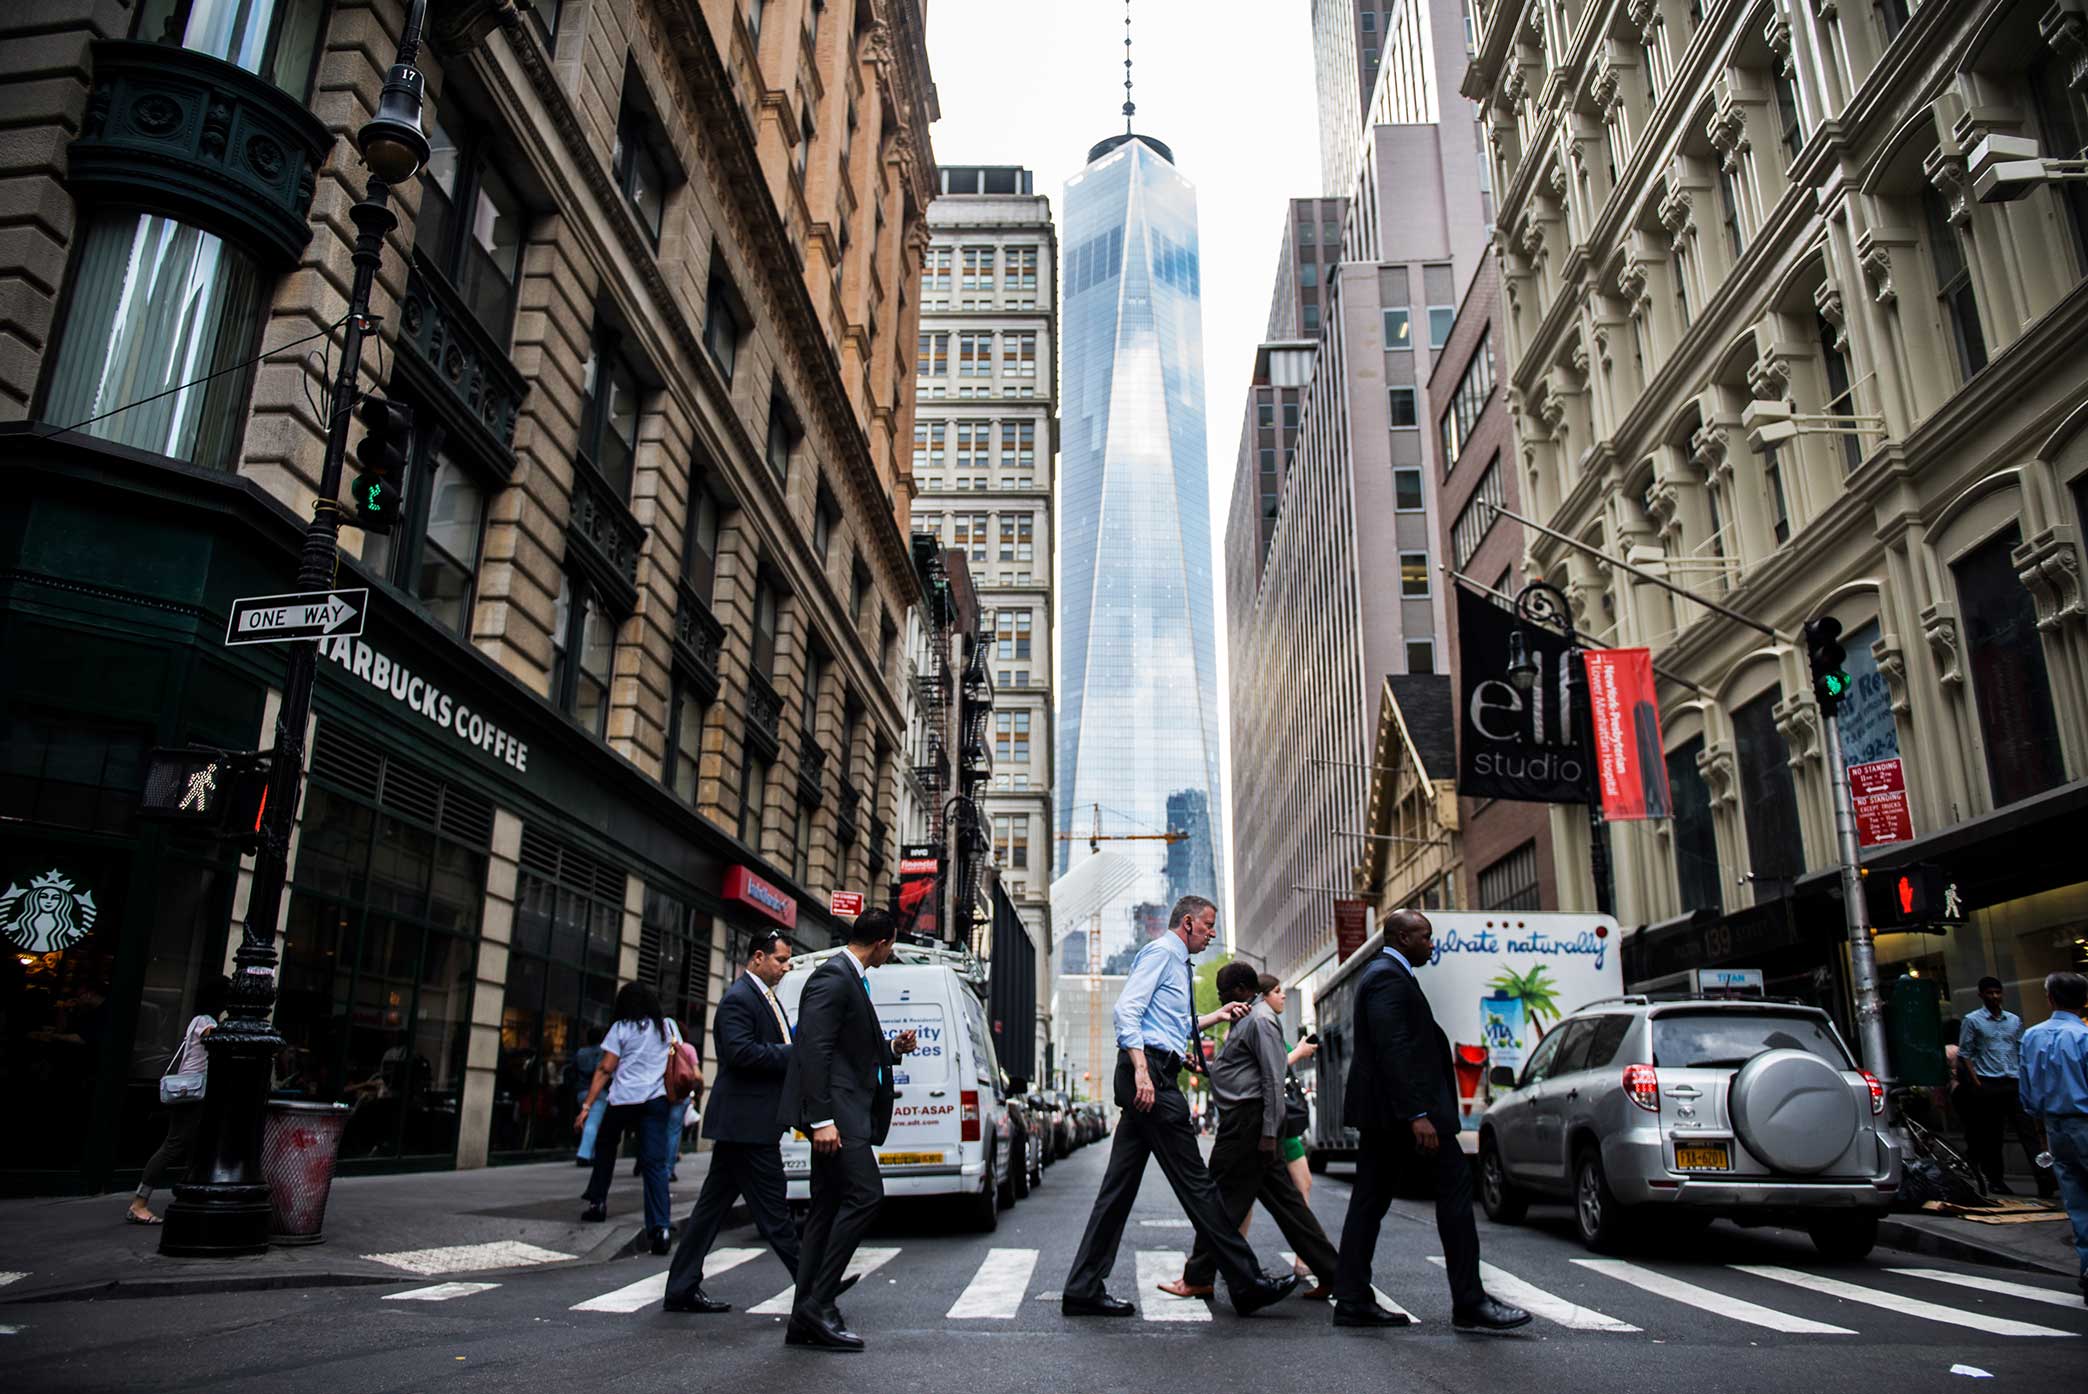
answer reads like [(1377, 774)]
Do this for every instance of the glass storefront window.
[(2005, 654), (275, 39), (1768, 801), (1696, 841), (157, 304)]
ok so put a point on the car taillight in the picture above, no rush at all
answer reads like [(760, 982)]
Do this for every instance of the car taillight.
[(968, 1114), (1877, 1089), (1642, 1085)]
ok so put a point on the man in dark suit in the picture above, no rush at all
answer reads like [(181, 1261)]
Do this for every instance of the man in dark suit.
[(839, 1092), (752, 1036), (1402, 1099)]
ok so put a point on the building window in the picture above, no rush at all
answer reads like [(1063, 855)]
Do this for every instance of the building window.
[(471, 227), (801, 844), (1011, 841), (1892, 16), (1441, 318), (1789, 122), (1011, 734), (1729, 212), (686, 744), (1399, 329), (858, 590), (1404, 409), (2064, 137), (1308, 274), (1511, 882), (934, 359), (1290, 416), (1019, 355), (725, 321), (935, 271), (1420, 655), (1019, 271), (1012, 630), (975, 355), (1954, 286), (801, 156), (1312, 320), (977, 263), (1841, 396), (1265, 415), (674, 953), (753, 800), (783, 435), (1413, 574), (583, 646), (1779, 509), (1682, 288), (1406, 489), (1695, 838), (767, 604), (279, 41), (826, 516), (155, 304), (449, 552), (639, 160), (1474, 387), (1019, 444), (2010, 682), (700, 547), (1768, 800), (808, 704), (609, 430)]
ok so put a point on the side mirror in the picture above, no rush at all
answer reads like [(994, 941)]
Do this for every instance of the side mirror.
[(1501, 1077)]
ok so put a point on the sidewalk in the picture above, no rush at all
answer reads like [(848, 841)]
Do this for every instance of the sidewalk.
[(2044, 1246), (437, 1225)]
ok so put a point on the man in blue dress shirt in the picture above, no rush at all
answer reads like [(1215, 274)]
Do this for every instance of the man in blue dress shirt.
[(1158, 1034), (2055, 1090), (1990, 1043)]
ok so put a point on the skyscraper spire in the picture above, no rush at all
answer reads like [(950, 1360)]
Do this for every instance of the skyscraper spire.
[(1130, 107)]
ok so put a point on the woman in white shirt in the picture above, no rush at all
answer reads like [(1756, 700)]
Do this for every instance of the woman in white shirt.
[(634, 1071), (190, 1057)]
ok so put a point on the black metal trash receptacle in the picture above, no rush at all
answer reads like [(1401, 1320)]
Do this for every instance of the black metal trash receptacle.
[(299, 1143)]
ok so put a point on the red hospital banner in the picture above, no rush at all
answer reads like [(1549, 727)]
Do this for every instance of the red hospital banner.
[(1630, 764)]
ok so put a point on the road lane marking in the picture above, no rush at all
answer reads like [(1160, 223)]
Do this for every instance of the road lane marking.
[(1379, 1293), (1980, 1283), (440, 1292), (1506, 1287), (996, 1289), (6, 1278), (1892, 1302), (1704, 1299), (633, 1297), (865, 1261), (1168, 1224), (1157, 1266), (469, 1258)]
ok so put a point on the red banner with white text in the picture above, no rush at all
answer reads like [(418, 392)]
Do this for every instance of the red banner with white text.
[(1630, 765)]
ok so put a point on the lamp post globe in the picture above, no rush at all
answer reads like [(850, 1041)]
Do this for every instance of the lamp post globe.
[(392, 142)]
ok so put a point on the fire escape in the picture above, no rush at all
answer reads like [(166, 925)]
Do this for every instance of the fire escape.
[(974, 847)]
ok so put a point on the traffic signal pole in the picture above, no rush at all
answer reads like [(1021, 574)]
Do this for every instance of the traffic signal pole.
[(1863, 958)]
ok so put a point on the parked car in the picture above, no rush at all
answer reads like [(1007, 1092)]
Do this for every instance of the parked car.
[(1022, 1140), (1045, 1112), (1067, 1129), (951, 1134), (1681, 1112), (1096, 1122)]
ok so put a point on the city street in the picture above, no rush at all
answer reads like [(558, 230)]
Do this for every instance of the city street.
[(1755, 1310)]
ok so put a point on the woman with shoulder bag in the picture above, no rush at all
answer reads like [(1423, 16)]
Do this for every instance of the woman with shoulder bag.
[(181, 1090), (648, 1070)]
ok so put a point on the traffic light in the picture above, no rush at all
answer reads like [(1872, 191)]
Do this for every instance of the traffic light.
[(1913, 896), (387, 444), (1824, 649), (207, 792)]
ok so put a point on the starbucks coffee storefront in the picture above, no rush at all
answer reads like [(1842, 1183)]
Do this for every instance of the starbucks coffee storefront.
[(472, 877)]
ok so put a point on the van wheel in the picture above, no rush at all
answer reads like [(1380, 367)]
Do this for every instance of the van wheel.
[(1602, 1220), (1844, 1238), (1021, 1174), (985, 1206), (1505, 1202)]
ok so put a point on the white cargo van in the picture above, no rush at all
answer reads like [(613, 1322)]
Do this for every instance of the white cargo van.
[(950, 1132)]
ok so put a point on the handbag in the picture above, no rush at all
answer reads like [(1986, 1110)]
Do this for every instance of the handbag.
[(1297, 1115), (684, 1073), (186, 1087)]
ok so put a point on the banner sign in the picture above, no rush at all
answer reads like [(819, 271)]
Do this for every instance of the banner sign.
[(1511, 743), (1351, 927), (745, 888), (920, 898), (1879, 791), (1630, 763)]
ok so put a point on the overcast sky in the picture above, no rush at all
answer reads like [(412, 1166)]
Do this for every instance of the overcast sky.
[(1226, 83)]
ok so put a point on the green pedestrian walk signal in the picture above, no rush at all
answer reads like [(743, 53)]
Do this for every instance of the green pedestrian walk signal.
[(387, 445)]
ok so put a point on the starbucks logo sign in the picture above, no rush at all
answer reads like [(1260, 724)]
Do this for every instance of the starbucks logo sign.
[(50, 916)]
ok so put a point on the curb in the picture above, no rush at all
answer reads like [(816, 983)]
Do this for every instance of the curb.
[(202, 1286), (1898, 1234)]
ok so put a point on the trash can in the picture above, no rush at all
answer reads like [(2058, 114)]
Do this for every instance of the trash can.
[(299, 1142)]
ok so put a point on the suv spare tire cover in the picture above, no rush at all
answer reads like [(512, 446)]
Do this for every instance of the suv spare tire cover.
[(1793, 1110)]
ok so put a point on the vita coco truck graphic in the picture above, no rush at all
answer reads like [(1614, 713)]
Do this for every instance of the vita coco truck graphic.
[(1496, 981)]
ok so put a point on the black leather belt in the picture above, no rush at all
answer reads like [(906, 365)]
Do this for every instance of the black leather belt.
[(1162, 1061)]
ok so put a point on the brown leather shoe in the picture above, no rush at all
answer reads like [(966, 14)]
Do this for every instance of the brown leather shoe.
[(1319, 1292), (1182, 1288)]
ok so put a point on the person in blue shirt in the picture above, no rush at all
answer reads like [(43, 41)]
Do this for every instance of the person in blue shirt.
[(1990, 1043), (2055, 1091), (1158, 1035)]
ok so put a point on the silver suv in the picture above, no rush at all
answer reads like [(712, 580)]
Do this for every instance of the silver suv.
[(1691, 1110)]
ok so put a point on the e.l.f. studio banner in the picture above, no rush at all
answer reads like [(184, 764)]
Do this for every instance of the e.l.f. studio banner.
[(1516, 743), (1630, 766)]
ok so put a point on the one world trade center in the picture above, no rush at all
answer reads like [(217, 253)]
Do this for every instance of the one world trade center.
[(1139, 725)]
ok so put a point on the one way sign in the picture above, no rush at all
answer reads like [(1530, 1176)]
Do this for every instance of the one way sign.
[(278, 619)]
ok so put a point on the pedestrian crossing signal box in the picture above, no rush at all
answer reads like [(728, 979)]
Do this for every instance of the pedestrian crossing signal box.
[(207, 792), (1918, 895)]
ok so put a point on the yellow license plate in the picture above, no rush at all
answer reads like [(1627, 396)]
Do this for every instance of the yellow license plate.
[(1710, 1156), (909, 1159)]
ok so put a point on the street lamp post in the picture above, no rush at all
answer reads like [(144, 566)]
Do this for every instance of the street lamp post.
[(223, 1210), (1542, 603)]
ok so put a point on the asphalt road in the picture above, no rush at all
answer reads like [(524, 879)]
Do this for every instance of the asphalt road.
[(950, 1310)]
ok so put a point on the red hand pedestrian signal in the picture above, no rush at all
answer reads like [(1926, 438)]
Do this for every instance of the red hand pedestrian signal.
[(1906, 895)]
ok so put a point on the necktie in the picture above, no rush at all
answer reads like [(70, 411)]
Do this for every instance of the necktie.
[(866, 992), (1196, 1059), (782, 1021)]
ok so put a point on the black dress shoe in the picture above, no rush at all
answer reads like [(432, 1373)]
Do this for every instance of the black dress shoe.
[(1489, 1315), (816, 1332), (1100, 1305), (1265, 1292), (661, 1240), (698, 1301), (595, 1214), (1356, 1314)]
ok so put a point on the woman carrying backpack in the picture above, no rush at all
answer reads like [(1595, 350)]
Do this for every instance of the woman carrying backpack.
[(647, 1070)]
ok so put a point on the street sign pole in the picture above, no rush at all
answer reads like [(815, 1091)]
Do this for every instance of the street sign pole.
[(1863, 958)]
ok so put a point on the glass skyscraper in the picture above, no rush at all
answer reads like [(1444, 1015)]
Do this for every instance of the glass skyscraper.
[(1138, 723)]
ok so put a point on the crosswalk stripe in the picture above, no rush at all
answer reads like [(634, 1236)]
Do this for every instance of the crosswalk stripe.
[(1892, 1302), (1508, 1288), (865, 1261), (1379, 1293), (1980, 1283), (439, 1292), (1157, 1266), (634, 1297), (1704, 1299), (996, 1289)]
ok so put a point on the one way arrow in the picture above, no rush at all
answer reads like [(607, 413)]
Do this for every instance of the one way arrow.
[(338, 612)]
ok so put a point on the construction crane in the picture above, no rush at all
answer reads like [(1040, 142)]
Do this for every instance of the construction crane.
[(1094, 840)]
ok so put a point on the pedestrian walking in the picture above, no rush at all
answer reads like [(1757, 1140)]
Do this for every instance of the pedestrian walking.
[(1156, 1023), (752, 1039), (1247, 1083), (191, 1059), (1290, 1139), (634, 1072), (1402, 1099), (838, 1090), (1990, 1042), (2054, 1081)]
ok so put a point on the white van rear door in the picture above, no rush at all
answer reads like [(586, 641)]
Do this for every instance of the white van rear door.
[(924, 1105)]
